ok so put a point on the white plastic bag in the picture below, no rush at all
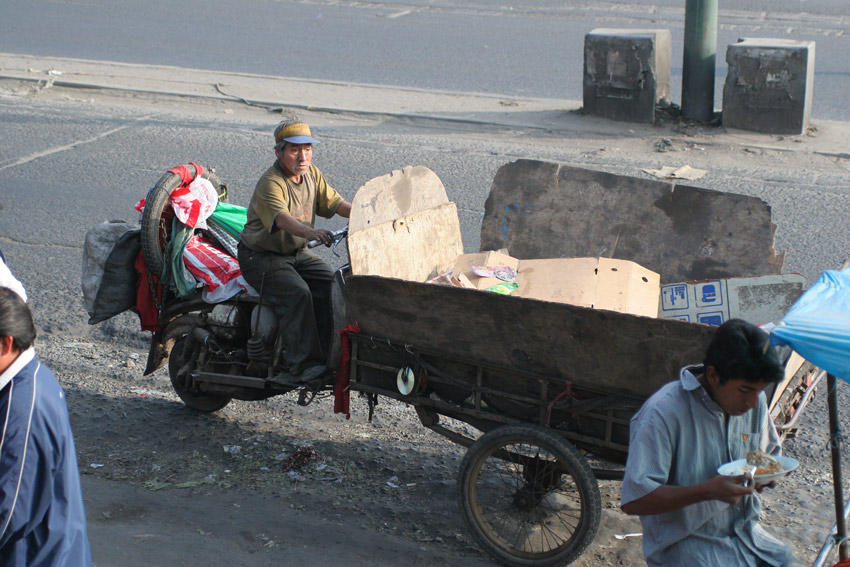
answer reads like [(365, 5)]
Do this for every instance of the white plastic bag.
[(194, 204)]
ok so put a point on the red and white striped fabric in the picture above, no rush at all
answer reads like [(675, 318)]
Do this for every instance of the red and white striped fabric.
[(218, 270), (194, 203)]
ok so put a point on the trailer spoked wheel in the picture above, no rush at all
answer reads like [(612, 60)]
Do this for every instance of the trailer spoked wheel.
[(529, 496), (204, 402)]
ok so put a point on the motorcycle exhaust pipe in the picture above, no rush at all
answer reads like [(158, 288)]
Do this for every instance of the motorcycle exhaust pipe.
[(204, 337), (198, 338)]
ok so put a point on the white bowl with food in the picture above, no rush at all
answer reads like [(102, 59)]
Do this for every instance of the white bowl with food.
[(768, 468)]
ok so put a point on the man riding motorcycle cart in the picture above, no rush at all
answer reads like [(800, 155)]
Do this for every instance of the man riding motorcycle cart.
[(273, 256)]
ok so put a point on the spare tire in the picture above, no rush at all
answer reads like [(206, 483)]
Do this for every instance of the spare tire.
[(157, 216)]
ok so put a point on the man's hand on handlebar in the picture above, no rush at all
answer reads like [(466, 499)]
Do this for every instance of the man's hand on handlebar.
[(321, 236)]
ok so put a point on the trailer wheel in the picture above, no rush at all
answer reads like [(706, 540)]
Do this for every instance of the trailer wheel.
[(157, 216), (204, 402), (529, 496)]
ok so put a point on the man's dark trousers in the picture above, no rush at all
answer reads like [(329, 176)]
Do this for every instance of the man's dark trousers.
[(297, 288)]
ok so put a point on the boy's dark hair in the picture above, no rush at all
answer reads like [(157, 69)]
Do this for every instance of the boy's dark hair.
[(742, 350), (16, 320)]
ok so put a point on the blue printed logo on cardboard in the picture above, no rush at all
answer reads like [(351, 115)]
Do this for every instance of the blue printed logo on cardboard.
[(713, 318), (709, 294), (674, 297)]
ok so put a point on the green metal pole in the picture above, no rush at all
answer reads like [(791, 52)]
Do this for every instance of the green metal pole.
[(699, 58)]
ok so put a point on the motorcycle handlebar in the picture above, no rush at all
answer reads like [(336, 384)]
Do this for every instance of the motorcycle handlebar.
[(335, 237)]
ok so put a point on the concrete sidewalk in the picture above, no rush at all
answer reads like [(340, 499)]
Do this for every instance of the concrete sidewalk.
[(828, 138), (314, 95)]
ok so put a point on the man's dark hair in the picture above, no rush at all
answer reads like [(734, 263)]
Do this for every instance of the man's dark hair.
[(742, 350), (16, 320)]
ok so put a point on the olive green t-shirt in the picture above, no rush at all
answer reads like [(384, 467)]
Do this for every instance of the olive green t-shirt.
[(275, 193)]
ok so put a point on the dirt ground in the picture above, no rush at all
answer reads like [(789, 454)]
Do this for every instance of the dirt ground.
[(257, 482), (263, 482)]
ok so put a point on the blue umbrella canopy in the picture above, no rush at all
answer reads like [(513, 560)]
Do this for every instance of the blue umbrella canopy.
[(818, 325)]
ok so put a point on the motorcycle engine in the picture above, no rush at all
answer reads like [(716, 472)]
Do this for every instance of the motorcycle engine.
[(228, 323)]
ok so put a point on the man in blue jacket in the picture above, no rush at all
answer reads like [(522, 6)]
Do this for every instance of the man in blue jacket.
[(42, 520)]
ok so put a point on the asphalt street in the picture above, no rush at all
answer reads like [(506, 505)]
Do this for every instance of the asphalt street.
[(84, 140), (532, 48)]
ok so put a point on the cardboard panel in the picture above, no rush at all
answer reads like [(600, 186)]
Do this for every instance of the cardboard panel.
[(546, 210), (600, 283), (792, 365), (396, 195), (759, 300), (563, 280), (627, 287), (416, 247)]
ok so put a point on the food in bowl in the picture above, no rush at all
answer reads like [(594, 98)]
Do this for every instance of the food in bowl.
[(765, 463)]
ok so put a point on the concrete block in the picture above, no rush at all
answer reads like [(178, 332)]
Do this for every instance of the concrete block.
[(626, 73), (769, 85)]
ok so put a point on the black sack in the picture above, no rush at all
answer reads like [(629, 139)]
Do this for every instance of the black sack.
[(109, 275)]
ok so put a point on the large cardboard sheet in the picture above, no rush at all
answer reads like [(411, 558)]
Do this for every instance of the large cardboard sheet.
[(600, 283), (402, 225), (546, 210), (416, 247), (395, 195)]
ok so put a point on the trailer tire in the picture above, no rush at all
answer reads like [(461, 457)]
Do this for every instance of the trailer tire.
[(204, 402), (528, 496), (156, 216)]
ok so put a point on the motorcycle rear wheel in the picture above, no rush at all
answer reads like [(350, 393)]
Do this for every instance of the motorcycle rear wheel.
[(204, 402), (157, 216)]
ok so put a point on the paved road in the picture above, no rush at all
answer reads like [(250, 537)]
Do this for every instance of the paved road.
[(528, 48), (130, 526), (71, 158)]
